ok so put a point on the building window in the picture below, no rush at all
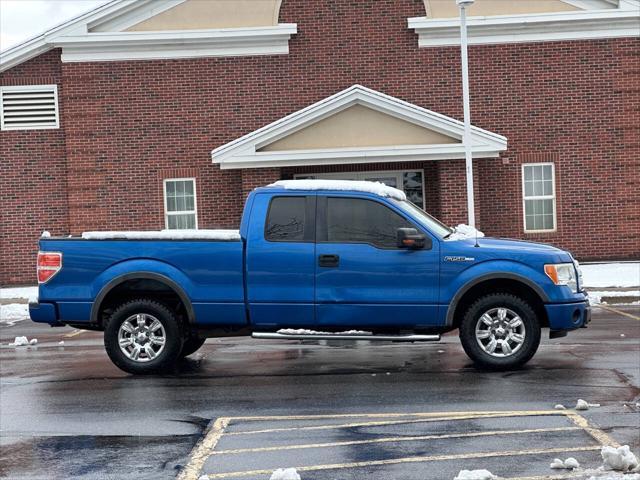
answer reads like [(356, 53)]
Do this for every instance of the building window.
[(411, 182), (180, 206), (29, 107), (539, 194)]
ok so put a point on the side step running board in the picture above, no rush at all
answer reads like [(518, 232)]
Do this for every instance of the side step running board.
[(339, 336)]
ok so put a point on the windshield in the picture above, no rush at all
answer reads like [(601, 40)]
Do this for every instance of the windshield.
[(434, 225)]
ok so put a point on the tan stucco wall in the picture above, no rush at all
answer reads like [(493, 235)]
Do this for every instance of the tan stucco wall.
[(358, 126), (448, 8), (204, 14)]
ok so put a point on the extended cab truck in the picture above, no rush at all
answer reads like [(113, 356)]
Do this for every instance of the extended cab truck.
[(312, 259)]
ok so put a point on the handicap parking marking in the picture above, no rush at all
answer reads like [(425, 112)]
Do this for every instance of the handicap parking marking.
[(205, 451)]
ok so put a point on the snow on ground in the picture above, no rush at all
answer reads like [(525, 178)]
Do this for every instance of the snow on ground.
[(570, 463), (463, 231), (23, 341), (165, 235), (595, 296), (614, 476), (475, 475), (26, 293), (285, 474), (376, 188), (14, 312), (603, 275)]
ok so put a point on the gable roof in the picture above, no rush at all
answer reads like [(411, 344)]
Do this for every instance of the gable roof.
[(99, 35), (244, 152)]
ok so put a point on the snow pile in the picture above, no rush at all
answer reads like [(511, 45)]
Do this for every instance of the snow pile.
[(45, 234), (14, 312), (595, 296), (23, 341), (25, 293), (615, 476), (604, 275), (621, 458), (569, 463), (302, 331), (463, 231), (285, 474), (582, 405), (376, 188), (560, 407), (475, 475), (165, 235)]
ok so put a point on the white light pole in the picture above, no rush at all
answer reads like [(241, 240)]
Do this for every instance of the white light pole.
[(463, 4)]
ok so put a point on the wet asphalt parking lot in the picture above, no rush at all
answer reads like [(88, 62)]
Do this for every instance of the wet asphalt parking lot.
[(240, 408)]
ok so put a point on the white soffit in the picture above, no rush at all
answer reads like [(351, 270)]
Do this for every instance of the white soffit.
[(623, 21), (244, 151), (94, 36)]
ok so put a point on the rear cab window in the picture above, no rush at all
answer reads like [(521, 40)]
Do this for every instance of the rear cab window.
[(290, 219)]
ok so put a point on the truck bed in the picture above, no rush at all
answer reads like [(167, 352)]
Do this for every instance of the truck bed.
[(208, 269)]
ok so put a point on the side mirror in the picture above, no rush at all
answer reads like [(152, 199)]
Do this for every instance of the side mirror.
[(410, 238)]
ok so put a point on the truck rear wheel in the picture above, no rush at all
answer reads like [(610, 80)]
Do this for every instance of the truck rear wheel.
[(191, 345), (500, 331), (143, 336)]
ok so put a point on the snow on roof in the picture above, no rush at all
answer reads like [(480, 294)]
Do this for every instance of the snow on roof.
[(376, 188), (165, 235)]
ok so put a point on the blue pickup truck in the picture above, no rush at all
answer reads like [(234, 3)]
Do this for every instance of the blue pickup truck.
[(312, 260)]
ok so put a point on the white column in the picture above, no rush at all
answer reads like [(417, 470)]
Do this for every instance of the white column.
[(467, 109)]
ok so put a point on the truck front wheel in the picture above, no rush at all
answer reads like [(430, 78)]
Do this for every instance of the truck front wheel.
[(500, 331), (143, 336)]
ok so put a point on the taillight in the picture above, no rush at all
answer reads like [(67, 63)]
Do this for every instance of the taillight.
[(49, 263)]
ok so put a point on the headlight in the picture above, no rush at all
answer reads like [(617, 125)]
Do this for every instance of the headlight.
[(563, 274)]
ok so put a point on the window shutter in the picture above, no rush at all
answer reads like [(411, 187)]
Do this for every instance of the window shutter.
[(29, 107)]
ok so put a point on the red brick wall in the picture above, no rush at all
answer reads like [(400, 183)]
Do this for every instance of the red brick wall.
[(128, 125), (33, 180)]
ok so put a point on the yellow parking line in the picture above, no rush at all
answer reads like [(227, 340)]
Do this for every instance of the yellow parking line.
[(416, 459), (203, 449), (596, 433), (75, 333), (471, 416), (619, 312), (395, 439)]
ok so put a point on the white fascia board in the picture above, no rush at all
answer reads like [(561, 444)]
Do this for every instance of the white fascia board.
[(357, 94), (119, 46), (348, 156), (583, 25)]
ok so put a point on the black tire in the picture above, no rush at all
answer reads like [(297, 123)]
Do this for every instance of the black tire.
[(472, 345), (191, 345), (173, 335)]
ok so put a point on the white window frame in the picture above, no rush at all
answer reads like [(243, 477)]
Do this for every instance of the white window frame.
[(26, 88), (167, 214), (539, 197), (363, 174)]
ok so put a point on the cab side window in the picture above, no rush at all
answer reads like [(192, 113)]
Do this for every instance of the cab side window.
[(356, 220), (286, 219)]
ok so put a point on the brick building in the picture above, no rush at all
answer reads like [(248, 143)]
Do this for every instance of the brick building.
[(151, 114)]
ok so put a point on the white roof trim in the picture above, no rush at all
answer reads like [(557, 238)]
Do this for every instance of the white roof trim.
[(538, 27), (243, 152), (83, 38)]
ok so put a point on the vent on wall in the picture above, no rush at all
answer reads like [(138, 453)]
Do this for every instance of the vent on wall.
[(29, 107)]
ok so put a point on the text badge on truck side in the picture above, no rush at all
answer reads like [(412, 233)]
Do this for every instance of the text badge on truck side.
[(312, 259)]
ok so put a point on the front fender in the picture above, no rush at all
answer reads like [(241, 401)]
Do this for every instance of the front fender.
[(141, 268), (457, 286)]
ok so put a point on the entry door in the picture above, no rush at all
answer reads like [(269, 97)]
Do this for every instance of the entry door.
[(362, 279)]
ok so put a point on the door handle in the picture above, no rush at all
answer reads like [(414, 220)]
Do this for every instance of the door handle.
[(328, 260)]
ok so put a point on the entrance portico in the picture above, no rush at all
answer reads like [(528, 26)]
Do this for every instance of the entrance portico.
[(358, 134)]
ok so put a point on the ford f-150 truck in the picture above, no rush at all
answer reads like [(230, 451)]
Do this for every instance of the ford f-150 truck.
[(312, 260)]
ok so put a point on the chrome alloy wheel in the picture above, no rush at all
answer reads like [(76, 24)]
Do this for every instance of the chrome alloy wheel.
[(500, 332), (141, 337)]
